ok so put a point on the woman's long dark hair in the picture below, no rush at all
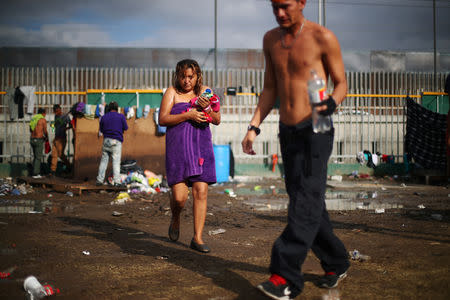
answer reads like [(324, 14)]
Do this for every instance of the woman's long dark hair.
[(182, 66)]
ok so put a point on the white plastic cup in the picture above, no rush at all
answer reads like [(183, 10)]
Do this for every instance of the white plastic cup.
[(34, 288)]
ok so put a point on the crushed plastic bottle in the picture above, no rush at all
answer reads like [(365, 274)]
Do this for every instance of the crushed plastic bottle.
[(317, 93), (34, 288), (356, 255)]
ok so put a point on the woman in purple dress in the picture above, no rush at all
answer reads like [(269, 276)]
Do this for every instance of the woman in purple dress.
[(189, 151)]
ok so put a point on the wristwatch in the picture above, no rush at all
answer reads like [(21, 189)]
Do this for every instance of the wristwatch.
[(254, 128)]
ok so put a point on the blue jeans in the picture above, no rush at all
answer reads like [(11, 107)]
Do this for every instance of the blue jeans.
[(113, 148)]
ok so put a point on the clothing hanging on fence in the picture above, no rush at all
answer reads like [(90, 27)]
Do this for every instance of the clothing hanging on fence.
[(18, 100), (30, 97), (9, 100), (425, 136)]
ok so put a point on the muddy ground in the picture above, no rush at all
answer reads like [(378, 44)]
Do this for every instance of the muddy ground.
[(130, 256)]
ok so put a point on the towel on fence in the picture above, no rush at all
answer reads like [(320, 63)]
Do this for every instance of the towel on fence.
[(189, 151), (425, 136)]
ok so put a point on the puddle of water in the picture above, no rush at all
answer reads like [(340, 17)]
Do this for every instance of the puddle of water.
[(347, 204), (25, 206), (260, 191), (335, 200), (266, 204)]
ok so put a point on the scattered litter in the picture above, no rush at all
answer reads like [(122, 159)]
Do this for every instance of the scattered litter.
[(50, 290), (6, 273), (379, 210), (272, 187), (403, 185), (257, 188), (122, 198), (136, 233), (162, 257), (336, 178), (421, 206), (49, 195), (69, 193), (34, 288), (85, 252), (217, 231), (116, 213), (437, 217), (209, 214), (383, 188), (230, 193), (356, 255)]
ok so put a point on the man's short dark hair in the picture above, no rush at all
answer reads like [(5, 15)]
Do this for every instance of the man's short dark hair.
[(113, 106), (41, 110), (55, 107)]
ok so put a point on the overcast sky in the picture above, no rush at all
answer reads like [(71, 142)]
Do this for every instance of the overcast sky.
[(360, 25)]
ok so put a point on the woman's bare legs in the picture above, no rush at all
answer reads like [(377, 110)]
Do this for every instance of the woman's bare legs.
[(177, 202), (200, 195)]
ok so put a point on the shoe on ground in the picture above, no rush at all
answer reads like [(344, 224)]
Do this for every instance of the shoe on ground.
[(331, 280), (199, 247), (277, 288), (98, 183)]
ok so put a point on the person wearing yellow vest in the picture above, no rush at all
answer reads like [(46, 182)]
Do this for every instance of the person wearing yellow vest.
[(39, 134)]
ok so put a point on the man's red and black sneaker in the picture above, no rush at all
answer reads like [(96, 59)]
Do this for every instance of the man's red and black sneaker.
[(331, 279), (277, 288)]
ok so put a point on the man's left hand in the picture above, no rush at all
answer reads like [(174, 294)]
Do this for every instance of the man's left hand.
[(326, 107)]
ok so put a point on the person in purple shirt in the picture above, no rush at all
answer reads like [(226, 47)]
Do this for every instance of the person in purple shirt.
[(112, 126)]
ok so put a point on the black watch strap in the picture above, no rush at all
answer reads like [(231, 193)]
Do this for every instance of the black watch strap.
[(254, 128)]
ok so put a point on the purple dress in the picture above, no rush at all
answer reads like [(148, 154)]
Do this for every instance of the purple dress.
[(189, 151)]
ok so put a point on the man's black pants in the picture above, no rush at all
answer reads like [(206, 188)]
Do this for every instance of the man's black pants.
[(305, 157)]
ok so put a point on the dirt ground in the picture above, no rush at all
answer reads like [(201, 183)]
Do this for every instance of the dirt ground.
[(130, 256)]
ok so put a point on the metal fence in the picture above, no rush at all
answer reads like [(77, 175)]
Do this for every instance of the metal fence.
[(372, 117)]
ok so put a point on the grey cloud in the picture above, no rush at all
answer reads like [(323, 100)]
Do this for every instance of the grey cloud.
[(241, 23)]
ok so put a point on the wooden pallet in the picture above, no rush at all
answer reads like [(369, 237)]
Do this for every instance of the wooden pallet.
[(64, 186)]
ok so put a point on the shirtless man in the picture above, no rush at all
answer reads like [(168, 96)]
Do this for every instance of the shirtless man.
[(38, 129), (291, 51)]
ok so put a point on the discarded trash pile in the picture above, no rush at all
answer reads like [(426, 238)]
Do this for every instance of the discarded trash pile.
[(7, 187), (139, 181)]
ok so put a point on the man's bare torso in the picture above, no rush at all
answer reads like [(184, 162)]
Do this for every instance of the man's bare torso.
[(41, 129), (291, 69)]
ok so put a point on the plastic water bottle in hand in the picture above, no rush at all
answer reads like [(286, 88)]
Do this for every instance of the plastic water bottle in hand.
[(317, 91)]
